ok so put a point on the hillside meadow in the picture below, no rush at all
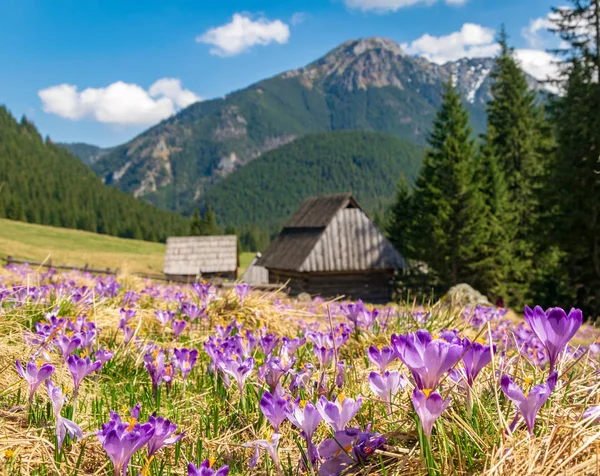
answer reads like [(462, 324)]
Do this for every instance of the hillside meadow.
[(128, 377), (78, 248)]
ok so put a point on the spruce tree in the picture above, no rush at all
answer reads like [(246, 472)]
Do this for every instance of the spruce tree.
[(448, 209), (196, 224), (400, 218), (497, 253), (209, 223), (517, 138), (576, 179)]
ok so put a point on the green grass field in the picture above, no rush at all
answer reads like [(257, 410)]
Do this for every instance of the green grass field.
[(78, 248)]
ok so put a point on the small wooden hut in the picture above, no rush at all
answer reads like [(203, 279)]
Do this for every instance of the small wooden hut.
[(201, 257), (330, 247)]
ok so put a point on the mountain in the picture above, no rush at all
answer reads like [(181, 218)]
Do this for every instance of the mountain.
[(43, 183), (269, 189), (86, 152), (367, 84)]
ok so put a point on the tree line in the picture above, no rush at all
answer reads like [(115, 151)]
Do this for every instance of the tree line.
[(515, 213), (40, 182)]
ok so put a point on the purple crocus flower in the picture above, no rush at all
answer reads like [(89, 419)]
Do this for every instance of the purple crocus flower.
[(178, 327), (273, 369), (239, 370), (163, 431), (269, 444), (206, 469), (155, 365), (337, 454), (128, 333), (34, 375), (268, 343), (80, 368), (386, 386), (339, 412), (381, 356), (475, 358), (528, 404), (292, 345), (88, 337), (103, 355), (340, 375), (306, 417), (354, 312), (593, 413), (554, 328), (67, 344), (274, 409), (427, 358), (63, 425), (324, 355), (130, 298), (122, 439), (127, 315), (191, 311), (164, 317), (242, 291), (428, 408), (186, 359)]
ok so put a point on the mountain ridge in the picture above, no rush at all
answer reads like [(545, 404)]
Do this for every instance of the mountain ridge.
[(366, 84)]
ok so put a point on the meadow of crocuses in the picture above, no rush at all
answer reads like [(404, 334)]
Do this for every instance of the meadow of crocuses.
[(123, 376)]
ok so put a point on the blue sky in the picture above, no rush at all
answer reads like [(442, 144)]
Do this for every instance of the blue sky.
[(103, 71)]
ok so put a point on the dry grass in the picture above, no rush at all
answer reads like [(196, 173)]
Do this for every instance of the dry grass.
[(462, 443)]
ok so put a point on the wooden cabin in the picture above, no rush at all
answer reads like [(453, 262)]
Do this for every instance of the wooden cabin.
[(190, 258), (330, 247)]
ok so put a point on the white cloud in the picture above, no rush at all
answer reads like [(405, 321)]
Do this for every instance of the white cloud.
[(298, 17), (532, 32), (119, 103), (242, 33), (476, 41), (471, 41), (538, 63), (383, 6)]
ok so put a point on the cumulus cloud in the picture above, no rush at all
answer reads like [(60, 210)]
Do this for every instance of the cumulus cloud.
[(533, 32), (471, 41), (242, 33), (476, 41), (383, 6), (538, 63), (119, 103)]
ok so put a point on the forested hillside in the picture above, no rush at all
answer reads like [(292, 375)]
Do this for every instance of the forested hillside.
[(268, 190), (86, 152), (367, 84), (41, 182)]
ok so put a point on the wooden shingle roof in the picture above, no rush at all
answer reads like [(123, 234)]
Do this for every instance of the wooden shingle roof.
[(317, 212), (329, 234), (191, 255)]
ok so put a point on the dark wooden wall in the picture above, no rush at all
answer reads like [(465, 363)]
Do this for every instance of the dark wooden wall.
[(373, 286), (181, 278)]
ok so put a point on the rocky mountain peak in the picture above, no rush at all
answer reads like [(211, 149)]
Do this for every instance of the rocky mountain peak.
[(355, 64), (359, 46)]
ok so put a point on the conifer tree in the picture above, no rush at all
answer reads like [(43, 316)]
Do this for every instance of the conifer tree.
[(517, 138), (448, 228), (196, 224), (209, 223), (576, 179), (497, 250), (400, 220)]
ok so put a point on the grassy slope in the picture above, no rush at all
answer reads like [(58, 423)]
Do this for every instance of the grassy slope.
[(65, 246), (74, 247)]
